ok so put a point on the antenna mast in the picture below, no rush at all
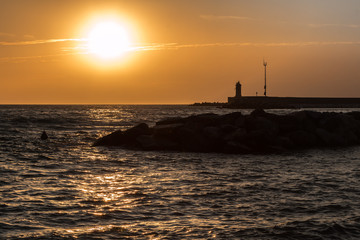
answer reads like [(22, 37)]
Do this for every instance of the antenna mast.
[(265, 64)]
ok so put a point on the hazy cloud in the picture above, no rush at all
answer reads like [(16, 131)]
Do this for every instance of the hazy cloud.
[(82, 48), (333, 25), (42, 58), (7, 34), (216, 17), (312, 25), (176, 46), (36, 42), (29, 37)]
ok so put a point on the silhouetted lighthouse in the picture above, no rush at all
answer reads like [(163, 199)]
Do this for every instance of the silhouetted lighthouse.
[(238, 90)]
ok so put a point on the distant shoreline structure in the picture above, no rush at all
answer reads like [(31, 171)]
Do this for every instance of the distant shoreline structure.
[(265, 102), (292, 102), (286, 103)]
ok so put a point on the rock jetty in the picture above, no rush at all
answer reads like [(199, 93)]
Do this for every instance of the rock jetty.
[(258, 132)]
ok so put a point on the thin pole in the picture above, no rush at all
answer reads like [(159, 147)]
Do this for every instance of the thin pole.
[(265, 64)]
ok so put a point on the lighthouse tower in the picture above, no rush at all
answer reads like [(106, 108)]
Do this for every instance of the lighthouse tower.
[(238, 90)]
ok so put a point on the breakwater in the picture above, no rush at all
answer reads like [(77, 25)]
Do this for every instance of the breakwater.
[(291, 102), (258, 132)]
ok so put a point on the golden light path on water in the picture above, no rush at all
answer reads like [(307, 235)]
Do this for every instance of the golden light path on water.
[(120, 192)]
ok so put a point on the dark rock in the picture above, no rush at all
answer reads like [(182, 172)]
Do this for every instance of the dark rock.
[(331, 123), (302, 139), (147, 142), (227, 128), (191, 140), (44, 136), (349, 136), (261, 140), (259, 112), (119, 138), (203, 120), (286, 143), (258, 132), (213, 133), (114, 139), (235, 147), (263, 124), (306, 120), (239, 135), (355, 115), (235, 119), (140, 129), (299, 116), (343, 128), (288, 124), (330, 139), (275, 149), (166, 129), (173, 120), (340, 120), (314, 116), (167, 144), (239, 122)]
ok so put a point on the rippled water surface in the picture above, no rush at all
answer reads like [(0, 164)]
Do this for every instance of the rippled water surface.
[(63, 188)]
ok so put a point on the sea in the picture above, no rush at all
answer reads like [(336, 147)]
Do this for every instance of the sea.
[(63, 188)]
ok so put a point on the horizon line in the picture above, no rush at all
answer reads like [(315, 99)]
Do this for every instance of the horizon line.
[(149, 104)]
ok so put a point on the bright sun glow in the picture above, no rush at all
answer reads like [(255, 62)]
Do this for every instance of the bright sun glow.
[(108, 40)]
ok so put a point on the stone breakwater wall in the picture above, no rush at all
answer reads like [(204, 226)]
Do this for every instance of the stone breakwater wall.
[(291, 102), (258, 132)]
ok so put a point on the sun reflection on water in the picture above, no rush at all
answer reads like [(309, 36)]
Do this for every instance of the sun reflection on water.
[(98, 229)]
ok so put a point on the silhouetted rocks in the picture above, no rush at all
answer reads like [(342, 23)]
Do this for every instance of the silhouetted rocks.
[(44, 136), (126, 138), (258, 132)]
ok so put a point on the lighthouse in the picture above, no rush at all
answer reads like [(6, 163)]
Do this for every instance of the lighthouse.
[(238, 90)]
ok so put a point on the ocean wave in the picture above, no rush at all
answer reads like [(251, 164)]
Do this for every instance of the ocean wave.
[(89, 233)]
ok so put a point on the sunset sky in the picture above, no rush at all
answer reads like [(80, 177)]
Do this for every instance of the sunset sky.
[(177, 51)]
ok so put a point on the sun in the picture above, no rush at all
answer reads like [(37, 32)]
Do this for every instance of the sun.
[(108, 40)]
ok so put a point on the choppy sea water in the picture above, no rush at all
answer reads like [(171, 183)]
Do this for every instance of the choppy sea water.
[(63, 188)]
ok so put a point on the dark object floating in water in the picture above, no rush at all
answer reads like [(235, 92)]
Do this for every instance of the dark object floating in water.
[(258, 132), (44, 136)]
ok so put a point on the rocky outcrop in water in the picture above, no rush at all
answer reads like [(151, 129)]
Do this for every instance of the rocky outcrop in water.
[(258, 132), (44, 136)]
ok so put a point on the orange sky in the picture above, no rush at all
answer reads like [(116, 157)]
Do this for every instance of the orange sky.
[(183, 51)]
